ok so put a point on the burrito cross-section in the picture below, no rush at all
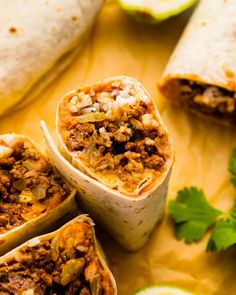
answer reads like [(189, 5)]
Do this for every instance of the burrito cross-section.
[(32, 195), (67, 261), (201, 74), (116, 150), (114, 133)]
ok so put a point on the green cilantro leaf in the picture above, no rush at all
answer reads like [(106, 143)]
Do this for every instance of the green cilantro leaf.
[(224, 233), (192, 214), (232, 167)]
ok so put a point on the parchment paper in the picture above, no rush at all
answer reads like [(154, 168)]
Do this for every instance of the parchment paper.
[(118, 46)]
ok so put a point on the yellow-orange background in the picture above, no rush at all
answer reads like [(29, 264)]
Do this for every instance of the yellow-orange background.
[(116, 46)]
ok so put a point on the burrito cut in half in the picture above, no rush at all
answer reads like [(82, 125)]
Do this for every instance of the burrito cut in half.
[(38, 39), (112, 132), (67, 261), (201, 74), (32, 196)]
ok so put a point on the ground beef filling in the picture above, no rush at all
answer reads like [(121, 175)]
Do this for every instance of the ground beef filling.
[(64, 264), (216, 101), (121, 135), (28, 185)]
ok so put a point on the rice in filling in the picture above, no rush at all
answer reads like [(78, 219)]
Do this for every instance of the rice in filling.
[(208, 99), (114, 131), (66, 263), (28, 185)]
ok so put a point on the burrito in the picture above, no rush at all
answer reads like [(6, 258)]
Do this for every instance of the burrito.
[(38, 39), (67, 261), (201, 74), (113, 135), (32, 196)]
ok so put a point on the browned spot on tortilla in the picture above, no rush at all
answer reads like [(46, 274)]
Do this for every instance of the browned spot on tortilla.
[(140, 222), (2, 242), (125, 221), (117, 204), (12, 30), (74, 18), (139, 210)]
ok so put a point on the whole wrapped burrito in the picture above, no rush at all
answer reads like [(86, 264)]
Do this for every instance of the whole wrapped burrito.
[(122, 153), (32, 196), (201, 73), (38, 39), (67, 261)]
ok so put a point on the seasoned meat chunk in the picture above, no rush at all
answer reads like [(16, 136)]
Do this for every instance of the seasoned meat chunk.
[(80, 137)]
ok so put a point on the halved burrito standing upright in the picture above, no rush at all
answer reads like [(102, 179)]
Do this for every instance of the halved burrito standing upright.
[(201, 73), (113, 134), (67, 261), (38, 39), (33, 197)]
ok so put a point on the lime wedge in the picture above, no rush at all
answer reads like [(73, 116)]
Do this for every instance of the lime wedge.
[(162, 290), (153, 11)]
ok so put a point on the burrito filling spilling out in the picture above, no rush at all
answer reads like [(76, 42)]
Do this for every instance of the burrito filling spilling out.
[(64, 263), (28, 185), (113, 131), (208, 99)]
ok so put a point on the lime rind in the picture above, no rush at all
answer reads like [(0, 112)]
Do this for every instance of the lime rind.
[(162, 289), (149, 14)]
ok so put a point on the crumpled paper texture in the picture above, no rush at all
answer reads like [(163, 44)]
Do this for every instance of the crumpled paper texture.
[(117, 46)]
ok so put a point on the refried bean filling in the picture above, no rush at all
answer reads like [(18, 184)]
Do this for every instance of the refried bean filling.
[(208, 99), (114, 130), (66, 263), (28, 185)]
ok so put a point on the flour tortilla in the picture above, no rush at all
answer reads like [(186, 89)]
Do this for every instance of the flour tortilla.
[(38, 39), (206, 50), (129, 219)]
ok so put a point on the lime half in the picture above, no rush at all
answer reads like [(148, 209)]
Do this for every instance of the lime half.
[(162, 290), (154, 11)]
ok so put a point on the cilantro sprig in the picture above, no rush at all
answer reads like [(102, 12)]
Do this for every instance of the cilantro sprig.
[(193, 216), (224, 233)]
